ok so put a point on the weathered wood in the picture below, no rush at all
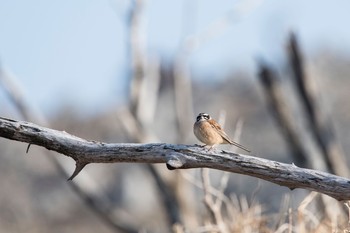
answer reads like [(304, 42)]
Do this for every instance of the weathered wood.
[(176, 157)]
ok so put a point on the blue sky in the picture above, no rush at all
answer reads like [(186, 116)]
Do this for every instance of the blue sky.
[(77, 51)]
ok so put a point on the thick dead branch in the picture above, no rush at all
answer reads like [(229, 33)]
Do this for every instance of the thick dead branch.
[(177, 157), (320, 123), (277, 104)]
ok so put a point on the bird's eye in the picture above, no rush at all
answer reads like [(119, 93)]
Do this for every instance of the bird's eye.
[(206, 116), (203, 116), (198, 118)]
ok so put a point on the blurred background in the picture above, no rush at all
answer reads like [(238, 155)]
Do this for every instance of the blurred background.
[(273, 72)]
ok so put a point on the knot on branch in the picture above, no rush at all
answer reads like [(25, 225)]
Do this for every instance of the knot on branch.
[(175, 160)]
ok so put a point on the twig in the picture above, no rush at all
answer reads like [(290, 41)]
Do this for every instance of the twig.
[(213, 191), (303, 212), (281, 216), (176, 157), (213, 209), (208, 201), (347, 204), (290, 220)]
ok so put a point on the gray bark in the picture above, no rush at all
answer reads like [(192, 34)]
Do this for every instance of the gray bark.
[(176, 157)]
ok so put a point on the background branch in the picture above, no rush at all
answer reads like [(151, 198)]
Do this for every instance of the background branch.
[(176, 157), (320, 123), (279, 109), (15, 93), (138, 120)]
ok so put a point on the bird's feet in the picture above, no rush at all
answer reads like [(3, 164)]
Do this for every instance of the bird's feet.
[(207, 147)]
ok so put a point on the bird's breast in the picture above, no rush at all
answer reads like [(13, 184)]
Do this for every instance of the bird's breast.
[(206, 133)]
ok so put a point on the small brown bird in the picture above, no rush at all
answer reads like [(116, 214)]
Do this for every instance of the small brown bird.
[(208, 131)]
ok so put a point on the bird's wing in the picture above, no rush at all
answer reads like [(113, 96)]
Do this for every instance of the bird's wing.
[(218, 129)]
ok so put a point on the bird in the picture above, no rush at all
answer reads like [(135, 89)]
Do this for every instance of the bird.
[(208, 131)]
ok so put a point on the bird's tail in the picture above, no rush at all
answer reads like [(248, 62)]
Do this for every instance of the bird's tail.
[(239, 146)]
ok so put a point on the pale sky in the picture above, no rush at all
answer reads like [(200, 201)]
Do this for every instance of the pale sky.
[(77, 51)]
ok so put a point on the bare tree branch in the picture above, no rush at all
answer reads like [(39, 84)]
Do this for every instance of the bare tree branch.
[(14, 92), (170, 202), (277, 105), (176, 157), (144, 95), (169, 199), (137, 59), (320, 123)]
